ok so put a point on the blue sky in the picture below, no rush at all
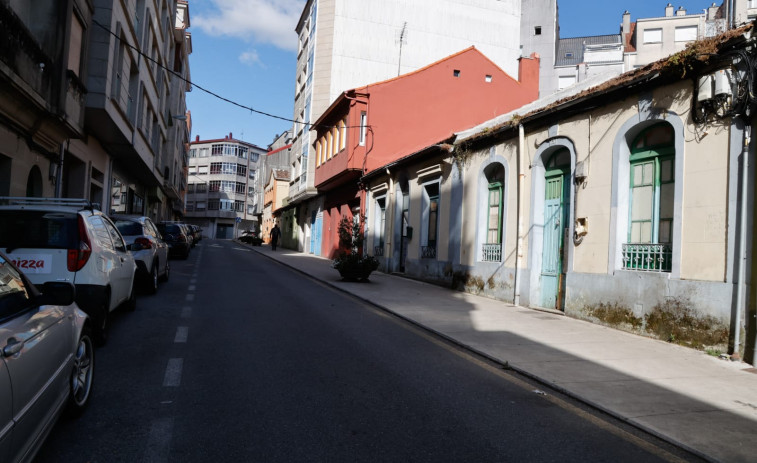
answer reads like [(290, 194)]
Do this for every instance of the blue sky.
[(245, 51)]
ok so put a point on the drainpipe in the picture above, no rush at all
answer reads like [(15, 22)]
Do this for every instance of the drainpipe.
[(389, 213), (742, 242), (519, 213), (59, 173)]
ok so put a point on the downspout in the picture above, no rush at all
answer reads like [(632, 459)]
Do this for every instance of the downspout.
[(742, 241), (519, 213), (59, 173), (389, 213)]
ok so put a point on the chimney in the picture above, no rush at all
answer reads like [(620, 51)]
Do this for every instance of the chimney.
[(231, 137), (197, 138), (626, 24), (528, 75), (712, 11), (669, 10), (681, 11)]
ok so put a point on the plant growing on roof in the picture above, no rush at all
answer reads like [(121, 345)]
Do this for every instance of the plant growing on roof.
[(350, 262)]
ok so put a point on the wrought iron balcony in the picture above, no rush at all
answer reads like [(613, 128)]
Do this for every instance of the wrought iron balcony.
[(378, 251), (647, 257)]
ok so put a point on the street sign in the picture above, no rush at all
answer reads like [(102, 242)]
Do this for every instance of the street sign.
[(239, 219)]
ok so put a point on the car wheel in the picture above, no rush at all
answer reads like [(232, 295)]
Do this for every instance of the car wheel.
[(101, 322), (82, 375), (152, 280), (131, 304), (166, 273)]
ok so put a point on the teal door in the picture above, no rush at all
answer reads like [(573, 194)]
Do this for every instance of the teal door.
[(317, 233), (312, 232), (555, 223)]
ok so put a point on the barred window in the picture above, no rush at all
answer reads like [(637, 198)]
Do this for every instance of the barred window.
[(651, 206)]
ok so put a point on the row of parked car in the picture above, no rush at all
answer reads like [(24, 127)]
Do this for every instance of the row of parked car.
[(64, 267)]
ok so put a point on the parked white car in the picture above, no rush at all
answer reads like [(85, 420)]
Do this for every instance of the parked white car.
[(53, 239), (47, 360), (148, 248)]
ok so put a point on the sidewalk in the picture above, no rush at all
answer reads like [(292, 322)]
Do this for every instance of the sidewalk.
[(699, 402)]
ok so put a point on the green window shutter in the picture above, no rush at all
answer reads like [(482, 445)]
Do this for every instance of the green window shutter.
[(494, 228)]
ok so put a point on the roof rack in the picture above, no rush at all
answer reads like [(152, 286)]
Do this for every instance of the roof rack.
[(29, 201)]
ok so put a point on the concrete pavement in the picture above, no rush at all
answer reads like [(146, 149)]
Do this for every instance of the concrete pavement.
[(699, 402)]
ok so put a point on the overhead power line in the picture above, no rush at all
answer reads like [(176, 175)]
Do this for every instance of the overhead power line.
[(209, 92)]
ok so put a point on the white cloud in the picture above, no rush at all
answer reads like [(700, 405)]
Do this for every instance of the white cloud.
[(252, 58), (257, 21)]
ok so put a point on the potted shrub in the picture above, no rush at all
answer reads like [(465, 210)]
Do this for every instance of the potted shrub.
[(350, 262)]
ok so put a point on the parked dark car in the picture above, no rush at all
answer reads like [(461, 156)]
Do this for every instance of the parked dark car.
[(251, 237), (191, 233), (196, 232), (177, 237)]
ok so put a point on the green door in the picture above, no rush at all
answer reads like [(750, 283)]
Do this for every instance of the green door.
[(556, 198)]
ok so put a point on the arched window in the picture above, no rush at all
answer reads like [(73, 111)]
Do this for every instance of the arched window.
[(652, 184), (492, 248)]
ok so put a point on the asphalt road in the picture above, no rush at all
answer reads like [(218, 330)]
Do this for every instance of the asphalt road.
[(239, 359)]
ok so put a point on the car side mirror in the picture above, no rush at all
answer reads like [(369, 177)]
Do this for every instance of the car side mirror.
[(57, 293)]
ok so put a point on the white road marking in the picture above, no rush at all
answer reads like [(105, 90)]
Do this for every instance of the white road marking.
[(190, 297), (173, 372), (182, 332), (191, 287), (186, 311)]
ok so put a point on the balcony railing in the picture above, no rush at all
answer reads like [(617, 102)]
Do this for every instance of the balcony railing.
[(378, 251), (648, 257), (428, 252), (492, 252)]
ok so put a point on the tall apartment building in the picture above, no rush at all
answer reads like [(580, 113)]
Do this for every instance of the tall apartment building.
[(89, 94), (136, 110), (42, 97), (345, 44), (223, 185)]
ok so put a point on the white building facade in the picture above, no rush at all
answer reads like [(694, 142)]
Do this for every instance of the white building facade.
[(221, 192), (346, 44)]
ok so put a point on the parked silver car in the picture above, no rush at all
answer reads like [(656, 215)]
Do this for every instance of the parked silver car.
[(47, 360), (147, 246)]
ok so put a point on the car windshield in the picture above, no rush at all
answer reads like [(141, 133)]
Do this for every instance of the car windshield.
[(38, 229), (129, 228), (171, 228)]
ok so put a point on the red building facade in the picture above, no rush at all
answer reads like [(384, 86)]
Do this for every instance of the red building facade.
[(372, 126)]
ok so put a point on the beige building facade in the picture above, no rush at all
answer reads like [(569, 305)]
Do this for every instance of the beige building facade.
[(626, 204)]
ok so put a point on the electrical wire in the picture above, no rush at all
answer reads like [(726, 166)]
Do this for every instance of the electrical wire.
[(209, 92)]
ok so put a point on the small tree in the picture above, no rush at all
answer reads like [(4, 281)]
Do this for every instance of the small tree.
[(350, 262)]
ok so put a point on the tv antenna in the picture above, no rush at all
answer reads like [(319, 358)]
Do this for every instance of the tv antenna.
[(402, 39)]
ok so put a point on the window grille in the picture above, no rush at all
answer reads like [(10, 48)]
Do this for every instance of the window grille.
[(428, 252), (647, 257), (492, 252)]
